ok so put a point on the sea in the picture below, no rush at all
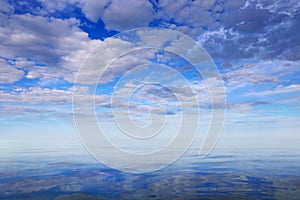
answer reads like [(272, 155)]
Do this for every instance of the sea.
[(69, 172)]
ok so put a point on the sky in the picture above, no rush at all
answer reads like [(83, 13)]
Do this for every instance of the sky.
[(254, 44)]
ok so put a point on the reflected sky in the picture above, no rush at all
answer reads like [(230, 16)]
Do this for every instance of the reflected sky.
[(70, 173)]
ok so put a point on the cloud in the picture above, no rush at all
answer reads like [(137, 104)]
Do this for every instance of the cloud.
[(124, 15), (243, 72), (171, 95), (245, 106), (8, 73), (117, 15), (9, 109), (246, 75), (53, 6), (247, 20), (187, 12), (40, 38), (93, 9), (50, 48), (255, 31), (47, 96), (37, 96), (250, 29), (235, 32), (189, 17), (280, 89), (5, 8), (47, 47), (44, 47), (125, 62)]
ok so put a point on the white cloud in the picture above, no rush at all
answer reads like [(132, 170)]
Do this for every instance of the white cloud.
[(220, 33), (47, 96), (8, 73), (244, 106), (21, 109), (247, 75), (280, 89), (125, 63), (37, 96), (45, 47), (244, 73), (53, 48), (93, 9)]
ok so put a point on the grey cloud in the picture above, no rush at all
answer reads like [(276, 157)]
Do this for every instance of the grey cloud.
[(45, 47), (123, 15), (9, 73), (189, 17), (283, 40), (229, 30), (233, 5), (242, 29), (248, 21), (260, 30), (117, 15), (36, 37), (5, 7)]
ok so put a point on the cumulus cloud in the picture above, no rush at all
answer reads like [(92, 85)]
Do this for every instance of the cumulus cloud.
[(247, 28), (38, 37), (123, 15), (117, 15), (9, 73), (189, 17), (47, 47), (44, 47), (93, 9)]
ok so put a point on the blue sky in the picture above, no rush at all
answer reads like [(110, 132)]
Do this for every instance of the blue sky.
[(255, 45)]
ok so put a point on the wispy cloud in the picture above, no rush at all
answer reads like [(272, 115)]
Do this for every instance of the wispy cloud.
[(279, 90)]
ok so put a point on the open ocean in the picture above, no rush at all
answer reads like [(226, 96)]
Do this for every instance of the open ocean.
[(63, 173)]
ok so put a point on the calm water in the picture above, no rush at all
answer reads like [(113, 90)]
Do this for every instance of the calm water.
[(63, 173)]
